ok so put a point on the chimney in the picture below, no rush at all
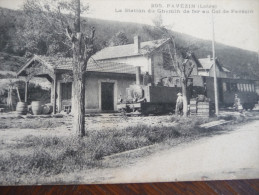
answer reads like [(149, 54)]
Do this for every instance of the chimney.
[(137, 44), (138, 73)]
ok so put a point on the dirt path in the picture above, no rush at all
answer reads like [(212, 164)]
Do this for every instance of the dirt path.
[(227, 156)]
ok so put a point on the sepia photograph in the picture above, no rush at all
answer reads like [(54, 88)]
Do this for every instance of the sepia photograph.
[(128, 91)]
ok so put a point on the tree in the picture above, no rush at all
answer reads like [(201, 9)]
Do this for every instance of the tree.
[(83, 49), (183, 66), (119, 38), (180, 58), (49, 14), (43, 30)]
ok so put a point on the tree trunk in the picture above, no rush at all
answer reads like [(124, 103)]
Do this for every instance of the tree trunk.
[(83, 49), (79, 69), (79, 103), (185, 102)]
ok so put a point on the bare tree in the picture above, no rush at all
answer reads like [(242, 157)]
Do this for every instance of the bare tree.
[(183, 66), (82, 46), (180, 57)]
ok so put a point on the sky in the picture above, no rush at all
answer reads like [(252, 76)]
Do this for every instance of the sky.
[(236, 22)]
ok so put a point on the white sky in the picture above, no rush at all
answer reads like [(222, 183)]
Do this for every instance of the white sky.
[(235, 29)]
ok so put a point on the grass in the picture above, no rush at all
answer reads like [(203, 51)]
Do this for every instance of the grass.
[(30, 123), (51, 155), (48, 155)]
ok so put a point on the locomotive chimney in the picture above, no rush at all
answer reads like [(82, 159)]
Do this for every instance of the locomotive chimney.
[(137, 41), (138, 72)]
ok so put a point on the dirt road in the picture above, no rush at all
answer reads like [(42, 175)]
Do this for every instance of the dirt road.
[(227, 156)]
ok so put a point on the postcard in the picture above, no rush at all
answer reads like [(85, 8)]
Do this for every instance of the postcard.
[(127, 91)]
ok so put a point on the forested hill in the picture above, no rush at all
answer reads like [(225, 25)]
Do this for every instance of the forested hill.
[(15, 40)]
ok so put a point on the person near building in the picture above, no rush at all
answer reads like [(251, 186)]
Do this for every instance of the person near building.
[(237, 104), (179, 104)]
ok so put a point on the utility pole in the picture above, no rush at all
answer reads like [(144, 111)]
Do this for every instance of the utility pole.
[(214, 69)]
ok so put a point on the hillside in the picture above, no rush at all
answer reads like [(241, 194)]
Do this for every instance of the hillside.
[(239, 61), (11, 62)]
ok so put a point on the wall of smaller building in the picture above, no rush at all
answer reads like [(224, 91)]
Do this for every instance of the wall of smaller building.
[(93, 89)]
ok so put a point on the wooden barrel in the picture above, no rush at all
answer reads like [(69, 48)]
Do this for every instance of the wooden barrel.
[(21, 108), (203, 109), (193, 106), (203, 105), (36, 107), (47, 109)]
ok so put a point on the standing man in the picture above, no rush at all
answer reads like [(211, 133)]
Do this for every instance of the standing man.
[(179, 104)]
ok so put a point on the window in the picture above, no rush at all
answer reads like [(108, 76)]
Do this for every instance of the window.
[(246, 87), (224, 86), (228, 86), (250, 87), (253, 87), (177, 82), (190, 81), (66, 91), (166, 60), (239, 87), (233, 87)]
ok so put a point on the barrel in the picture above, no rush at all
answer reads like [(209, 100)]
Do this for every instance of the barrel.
[(47, 109), (21, 108), (193, 106), (203, 109), (36, 107)]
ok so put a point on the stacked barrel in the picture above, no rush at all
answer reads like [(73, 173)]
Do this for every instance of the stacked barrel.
[(203, 109), (193, 107), (200, 106)]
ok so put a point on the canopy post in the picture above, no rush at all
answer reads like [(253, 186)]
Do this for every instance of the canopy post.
[(26, 91), (55, 93)]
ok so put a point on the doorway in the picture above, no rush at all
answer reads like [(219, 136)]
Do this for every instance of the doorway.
[(66, 97), (107, 96)]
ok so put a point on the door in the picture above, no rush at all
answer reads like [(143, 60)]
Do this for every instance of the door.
[(220, 90), (107, 95), (66, 96)]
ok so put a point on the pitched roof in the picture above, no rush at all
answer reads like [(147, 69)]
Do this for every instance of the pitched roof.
[(128, 50), (207, 63), (60, 63)]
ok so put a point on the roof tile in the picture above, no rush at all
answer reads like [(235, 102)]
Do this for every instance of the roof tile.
[(128, 50), (60, 63)]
